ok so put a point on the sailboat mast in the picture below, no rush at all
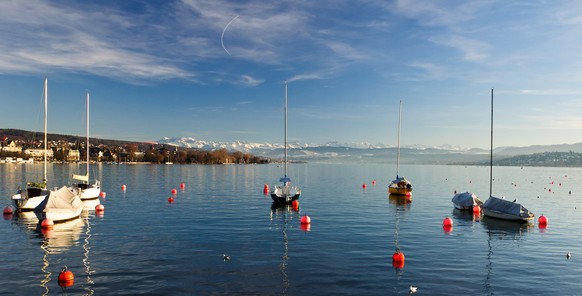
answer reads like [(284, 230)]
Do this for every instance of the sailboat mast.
[(87, 137), (491, 156), (398, 142), (285, 129), (45, 125)]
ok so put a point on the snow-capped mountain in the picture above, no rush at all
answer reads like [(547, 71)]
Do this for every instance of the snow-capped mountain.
[(330, 151)]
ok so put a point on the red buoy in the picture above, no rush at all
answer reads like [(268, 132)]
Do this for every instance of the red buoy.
[(123, 187), (543, 220), (398, 256), (373, 182), (8, 211), (448, 228), (170, 199), (448, 222), (295, 205), (364, 186), (99, 208), (66, 277), (476, 210), (305, 220), (266, 189), (174, 191), (102, 194), (182, 186), (66, 274), (305, 227), (47, 223)]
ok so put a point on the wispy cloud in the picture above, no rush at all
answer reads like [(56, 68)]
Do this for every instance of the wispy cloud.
[(250, 81), (310, 76), (472, 50)]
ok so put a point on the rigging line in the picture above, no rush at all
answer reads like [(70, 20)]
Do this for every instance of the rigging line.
[(223, 31)]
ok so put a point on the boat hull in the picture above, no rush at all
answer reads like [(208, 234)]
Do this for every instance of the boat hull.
[(90, 193), (507, 217), (400, 191), (284, 194), (462, 208), (60, 215), (30, 199)]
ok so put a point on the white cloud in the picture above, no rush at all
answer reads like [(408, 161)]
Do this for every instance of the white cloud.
[(472, 50), (250, 81)]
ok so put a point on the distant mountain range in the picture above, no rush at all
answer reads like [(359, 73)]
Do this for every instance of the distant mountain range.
[(538, 155), (366, 152)]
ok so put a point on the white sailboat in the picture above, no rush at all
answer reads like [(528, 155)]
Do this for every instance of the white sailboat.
[(500, 208), (87, 191), (285, 193), (399, 186), (35, 193)]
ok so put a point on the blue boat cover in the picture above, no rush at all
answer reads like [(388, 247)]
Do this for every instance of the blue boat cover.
[(285, 180)]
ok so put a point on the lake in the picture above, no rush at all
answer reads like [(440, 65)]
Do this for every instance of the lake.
[(144, 245)]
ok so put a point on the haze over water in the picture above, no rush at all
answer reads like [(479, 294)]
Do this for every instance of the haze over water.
[(144, 245)]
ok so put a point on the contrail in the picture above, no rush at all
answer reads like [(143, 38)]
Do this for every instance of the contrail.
[(222, 36)]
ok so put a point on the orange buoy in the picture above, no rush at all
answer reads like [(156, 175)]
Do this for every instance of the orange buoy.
[(174, 191), (398, 256), (295, 205), (266, 189), (170, 199), (182, 186), (8, 211), (448, 222), (305, 220), (47, 223), (543, 220), (99, 208), (66, 274), (476, 210), (123, 187), (102, 194), (364, 185)]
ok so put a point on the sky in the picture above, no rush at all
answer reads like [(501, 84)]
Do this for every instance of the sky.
[(215, 70)]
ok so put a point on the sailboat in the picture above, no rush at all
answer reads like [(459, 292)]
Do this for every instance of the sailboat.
[(497, 207), (285, 193), (87, 191), (35, 193), (400, 186)]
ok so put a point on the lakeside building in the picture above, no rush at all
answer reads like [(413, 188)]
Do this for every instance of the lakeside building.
[(39, 153), (12, 147)]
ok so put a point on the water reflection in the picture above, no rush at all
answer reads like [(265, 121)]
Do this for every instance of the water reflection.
[(400, 204), (280, 215), (466, 215), (54, 241), (503, 230), (399, 200), (86, 262), (500, 230)]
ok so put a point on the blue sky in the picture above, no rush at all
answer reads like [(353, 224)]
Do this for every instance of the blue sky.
[(214, 70)]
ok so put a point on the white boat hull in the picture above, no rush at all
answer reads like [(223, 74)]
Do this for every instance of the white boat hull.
[(62, 215), (90, 193), (25, 204)]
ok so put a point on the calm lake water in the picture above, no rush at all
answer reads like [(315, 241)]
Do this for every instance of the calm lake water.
[(143, 245)]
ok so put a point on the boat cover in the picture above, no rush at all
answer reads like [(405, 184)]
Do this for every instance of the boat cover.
[(466, 199), (63, 198), (505, 206)]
